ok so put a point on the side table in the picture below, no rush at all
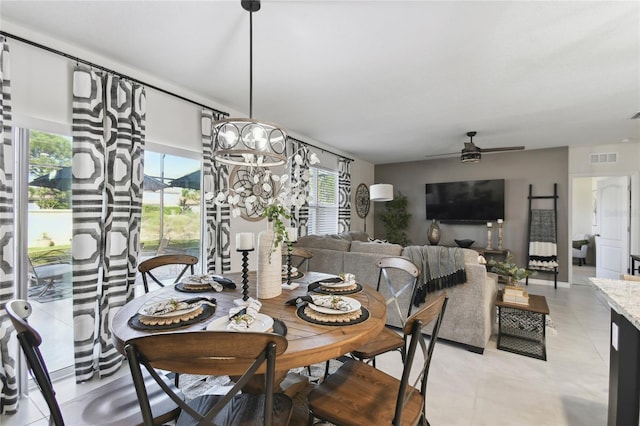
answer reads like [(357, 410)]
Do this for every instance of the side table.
[(521, 328), (495, 254)]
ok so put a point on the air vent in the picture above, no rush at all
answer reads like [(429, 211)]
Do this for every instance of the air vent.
[(636, 116), (605, 157)]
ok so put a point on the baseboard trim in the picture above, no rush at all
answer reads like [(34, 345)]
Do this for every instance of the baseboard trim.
[(561, 284)]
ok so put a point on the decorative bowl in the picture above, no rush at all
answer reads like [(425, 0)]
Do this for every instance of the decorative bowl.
[(464, 243)]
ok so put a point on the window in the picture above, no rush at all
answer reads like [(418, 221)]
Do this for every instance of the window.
[(323, 208), (172, 186)]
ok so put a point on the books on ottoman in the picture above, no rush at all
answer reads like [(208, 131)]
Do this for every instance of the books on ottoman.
[(517, 295)]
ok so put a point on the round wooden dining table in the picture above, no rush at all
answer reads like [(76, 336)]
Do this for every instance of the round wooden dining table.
[(308, 343)]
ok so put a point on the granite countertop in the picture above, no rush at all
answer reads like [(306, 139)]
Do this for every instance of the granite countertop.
[(623, 296)]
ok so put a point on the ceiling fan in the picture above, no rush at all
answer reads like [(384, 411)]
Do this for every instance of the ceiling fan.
[(472, 153)]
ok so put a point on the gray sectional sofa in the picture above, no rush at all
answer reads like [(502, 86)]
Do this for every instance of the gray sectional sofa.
[(470, 314)]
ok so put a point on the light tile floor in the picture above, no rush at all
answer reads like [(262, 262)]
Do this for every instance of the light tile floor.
[(497, 388)]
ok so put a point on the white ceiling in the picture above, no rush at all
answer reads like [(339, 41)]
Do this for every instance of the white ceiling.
[(386, 81)]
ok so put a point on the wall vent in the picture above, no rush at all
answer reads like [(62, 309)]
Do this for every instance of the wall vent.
[(605, 157)]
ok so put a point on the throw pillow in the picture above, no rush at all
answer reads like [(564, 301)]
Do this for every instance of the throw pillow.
[(577, 244)]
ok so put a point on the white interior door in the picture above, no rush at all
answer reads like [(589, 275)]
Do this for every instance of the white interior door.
[(612, 238)]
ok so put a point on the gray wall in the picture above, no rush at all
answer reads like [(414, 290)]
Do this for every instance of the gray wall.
[(542, 168)]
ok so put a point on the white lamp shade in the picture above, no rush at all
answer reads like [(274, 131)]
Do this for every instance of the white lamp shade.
[(381, 192)]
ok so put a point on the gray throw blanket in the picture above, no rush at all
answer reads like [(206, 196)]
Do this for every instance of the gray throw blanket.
[(440, 267), (543, 249)]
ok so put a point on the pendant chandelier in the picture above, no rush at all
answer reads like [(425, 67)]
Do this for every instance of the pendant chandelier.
[(245, 141)]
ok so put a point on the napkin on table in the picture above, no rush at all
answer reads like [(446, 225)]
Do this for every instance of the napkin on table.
[(217, 282), (241, 317), (172, 305), (332, 302)]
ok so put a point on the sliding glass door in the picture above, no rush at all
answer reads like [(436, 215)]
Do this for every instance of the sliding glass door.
[(46, 205)]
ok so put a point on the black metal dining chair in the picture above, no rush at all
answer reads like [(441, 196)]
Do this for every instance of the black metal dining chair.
[(114, 403), (397, 276), (359, 394), (148, 266), (214, 353)]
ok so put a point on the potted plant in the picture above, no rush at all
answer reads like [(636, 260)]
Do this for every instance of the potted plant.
[(396, 220), (509, 270)]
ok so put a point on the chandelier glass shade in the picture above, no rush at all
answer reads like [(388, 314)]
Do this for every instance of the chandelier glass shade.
[(245, 141)]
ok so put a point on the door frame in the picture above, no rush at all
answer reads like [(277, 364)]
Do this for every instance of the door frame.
[(633, 234)]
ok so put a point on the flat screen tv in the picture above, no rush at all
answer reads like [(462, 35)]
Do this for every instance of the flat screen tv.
[(472, 201)]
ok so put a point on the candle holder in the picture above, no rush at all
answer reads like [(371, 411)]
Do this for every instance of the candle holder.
[(499, 235), (489, 238), (245, 274), (289, 250)]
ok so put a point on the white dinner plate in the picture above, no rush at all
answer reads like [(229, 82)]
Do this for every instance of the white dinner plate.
[(169, 314), (337, 285), (355, 305), (197, 279), (261, 324)]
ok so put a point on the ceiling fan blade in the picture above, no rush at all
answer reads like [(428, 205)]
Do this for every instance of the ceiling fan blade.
[(442, 155), (504, 148)]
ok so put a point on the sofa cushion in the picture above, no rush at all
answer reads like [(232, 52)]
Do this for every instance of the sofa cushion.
[(322, 242), (376, 248), (359, 236)]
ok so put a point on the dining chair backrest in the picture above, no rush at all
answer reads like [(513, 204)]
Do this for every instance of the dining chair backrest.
[(397, 276), (18, 311), (302, 257), (432, 311), (230, 353), (299, 257), (147, 266)]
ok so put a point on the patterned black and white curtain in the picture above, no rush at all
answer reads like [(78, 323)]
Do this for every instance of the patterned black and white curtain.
[(344, 194), (108, 142), (8, 384), (299, 174), (217, 217)]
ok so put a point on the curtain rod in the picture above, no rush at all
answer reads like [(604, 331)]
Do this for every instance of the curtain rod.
[(317, 147), (175, 95), (93, 65)]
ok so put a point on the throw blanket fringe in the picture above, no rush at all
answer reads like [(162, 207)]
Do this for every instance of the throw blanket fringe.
[(440, 268)]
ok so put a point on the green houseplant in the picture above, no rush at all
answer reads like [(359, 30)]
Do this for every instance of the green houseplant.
[(395, 218), (274, 214), (509, 270)]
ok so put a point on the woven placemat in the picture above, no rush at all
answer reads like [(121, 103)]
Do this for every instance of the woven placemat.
[(134, 321), (362, 318), (324, 290), (182, 288)]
